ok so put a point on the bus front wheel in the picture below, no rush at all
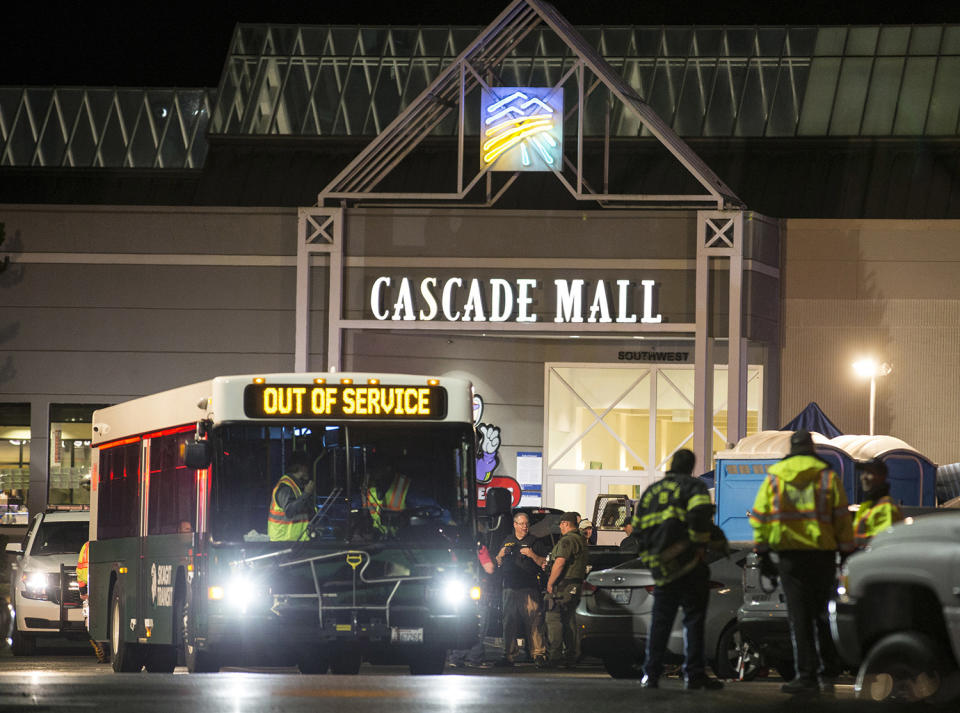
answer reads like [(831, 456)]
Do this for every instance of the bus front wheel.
[(126, 657), (196, 660)]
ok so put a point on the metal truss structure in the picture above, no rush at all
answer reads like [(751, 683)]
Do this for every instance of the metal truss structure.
[(477, 67), (732, 81), (88, 127)]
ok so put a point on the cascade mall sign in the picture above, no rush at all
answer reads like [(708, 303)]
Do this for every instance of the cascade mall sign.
[(457, 299)]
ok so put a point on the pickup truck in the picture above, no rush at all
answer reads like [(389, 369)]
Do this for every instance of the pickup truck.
[(896, 617)]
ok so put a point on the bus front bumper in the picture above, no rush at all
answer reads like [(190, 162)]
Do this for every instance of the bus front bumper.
[(410, 627)]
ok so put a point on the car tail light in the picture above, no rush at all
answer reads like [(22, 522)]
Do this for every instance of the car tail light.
[(650, 588), (589, 588)]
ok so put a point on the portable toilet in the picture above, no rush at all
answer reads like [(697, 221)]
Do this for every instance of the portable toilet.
[(912, 477), (740, 472)]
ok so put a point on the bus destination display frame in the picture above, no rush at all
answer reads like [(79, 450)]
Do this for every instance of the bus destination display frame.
[(378, 402)]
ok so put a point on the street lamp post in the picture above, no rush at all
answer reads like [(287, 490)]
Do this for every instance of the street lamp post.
[(870, 369)]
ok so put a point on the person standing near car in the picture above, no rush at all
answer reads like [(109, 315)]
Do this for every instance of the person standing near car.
[(564, 586), (877, 510), (801, 513), (673, 526), (83, 568), (520, 567)]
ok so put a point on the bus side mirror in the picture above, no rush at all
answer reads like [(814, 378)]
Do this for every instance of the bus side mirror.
[(197, 455), (499, 502)]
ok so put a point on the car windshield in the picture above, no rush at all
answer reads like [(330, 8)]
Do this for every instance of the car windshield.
[(411, 483), (632, 564), (60, 538)]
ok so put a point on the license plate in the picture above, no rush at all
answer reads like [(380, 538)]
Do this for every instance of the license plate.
[(620, 595), (408, 636)]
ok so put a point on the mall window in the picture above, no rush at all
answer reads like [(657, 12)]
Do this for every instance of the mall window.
[(615, 419), (70, 433), (14, 461)]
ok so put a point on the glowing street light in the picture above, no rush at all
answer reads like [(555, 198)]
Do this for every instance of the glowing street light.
[(870, 369)]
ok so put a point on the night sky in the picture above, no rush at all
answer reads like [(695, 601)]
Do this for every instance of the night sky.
[(166, 44)]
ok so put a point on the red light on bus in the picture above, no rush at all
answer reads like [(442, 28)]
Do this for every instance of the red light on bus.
[(170, 431), (121, 442)]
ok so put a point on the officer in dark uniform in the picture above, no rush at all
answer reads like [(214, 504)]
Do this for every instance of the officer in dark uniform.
[(564, 585), (674, 523)]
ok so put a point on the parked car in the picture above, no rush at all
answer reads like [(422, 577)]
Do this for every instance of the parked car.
[(894, 619), (43, 591), (615, 610)]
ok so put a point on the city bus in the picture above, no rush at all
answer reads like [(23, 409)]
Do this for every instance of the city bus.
[(186, 570)]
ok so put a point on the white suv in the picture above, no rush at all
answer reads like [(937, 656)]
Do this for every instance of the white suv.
[(44, 591)]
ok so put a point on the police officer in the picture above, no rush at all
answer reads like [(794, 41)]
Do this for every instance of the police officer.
[(673, 525), (292, 503), (801, 514), (564, 585), (877, 510)]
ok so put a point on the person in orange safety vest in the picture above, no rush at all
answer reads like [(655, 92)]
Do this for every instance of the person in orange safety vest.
[(393, 500), (83, 569), (292, 503)]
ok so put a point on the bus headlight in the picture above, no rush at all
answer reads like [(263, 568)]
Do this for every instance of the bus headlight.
[(238, 594), (454, 592)]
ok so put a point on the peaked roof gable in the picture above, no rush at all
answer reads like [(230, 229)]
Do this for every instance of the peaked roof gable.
[(446, 94)]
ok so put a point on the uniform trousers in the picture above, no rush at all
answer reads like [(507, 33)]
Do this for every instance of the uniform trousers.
[(562, 635), (521, 616), (809, 579), (691, 591)]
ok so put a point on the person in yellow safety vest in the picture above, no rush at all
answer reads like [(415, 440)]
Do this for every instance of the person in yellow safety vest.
[(877, 511), (801, 513), (394, 500), (83, 568), (292, 503)]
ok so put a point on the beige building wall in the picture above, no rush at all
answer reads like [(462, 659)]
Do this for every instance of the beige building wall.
[(889, 289)]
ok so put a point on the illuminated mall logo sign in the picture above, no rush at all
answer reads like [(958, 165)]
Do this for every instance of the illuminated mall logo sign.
[(521, 129), (457, 299)]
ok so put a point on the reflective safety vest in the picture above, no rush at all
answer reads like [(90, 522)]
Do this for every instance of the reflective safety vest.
[(673, 524), (281, 527), (874, 516), (83, 566), (801, 506), (396, 496), (395, 500)]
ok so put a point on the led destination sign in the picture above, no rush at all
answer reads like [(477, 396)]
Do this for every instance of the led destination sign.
[(345, 401)]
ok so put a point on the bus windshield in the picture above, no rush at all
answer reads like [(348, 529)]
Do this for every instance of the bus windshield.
[(405, 483)]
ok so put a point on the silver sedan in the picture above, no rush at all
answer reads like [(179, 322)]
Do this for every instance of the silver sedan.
[(615, 611)]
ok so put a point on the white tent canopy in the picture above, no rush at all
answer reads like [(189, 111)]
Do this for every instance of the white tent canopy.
[(776, 444)]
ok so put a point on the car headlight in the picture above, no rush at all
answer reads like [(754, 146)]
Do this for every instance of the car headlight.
[(35, 585)]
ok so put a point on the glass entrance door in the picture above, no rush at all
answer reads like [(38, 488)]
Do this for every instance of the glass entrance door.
[(615, 427)]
